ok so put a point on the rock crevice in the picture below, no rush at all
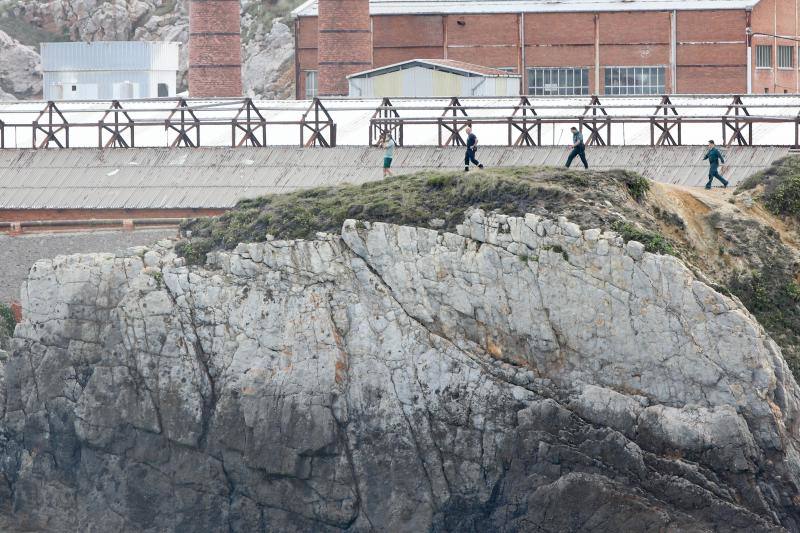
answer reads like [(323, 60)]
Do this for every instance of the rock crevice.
[(522, 373)]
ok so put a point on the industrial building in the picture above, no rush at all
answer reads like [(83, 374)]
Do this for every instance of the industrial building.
[(109, 70), (574, 47), (431, 78)]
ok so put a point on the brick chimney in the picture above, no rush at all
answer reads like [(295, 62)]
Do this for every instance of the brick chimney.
[(215, 49), (345, 43)]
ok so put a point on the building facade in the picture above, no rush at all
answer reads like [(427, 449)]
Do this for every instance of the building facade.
[(109, 70), (583, 46), (432, 78)]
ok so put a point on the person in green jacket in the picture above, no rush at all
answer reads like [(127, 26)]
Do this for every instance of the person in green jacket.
[(714, 157)]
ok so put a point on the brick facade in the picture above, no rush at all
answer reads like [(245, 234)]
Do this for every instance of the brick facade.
[(215, 49), (705, 51), (345, 43)]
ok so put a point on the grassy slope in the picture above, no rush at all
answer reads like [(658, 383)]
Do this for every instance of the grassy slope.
[(418, 199), (734, 246)]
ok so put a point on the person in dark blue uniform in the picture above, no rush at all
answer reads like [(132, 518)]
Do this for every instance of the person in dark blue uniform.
[(714, 157), (472, 148), (578, 148)]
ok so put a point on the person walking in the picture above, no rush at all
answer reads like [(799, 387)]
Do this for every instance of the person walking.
[(714, 157), (472, 149), (578, 148), (388, 144)]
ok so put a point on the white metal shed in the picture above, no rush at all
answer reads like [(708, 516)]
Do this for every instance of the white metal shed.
[(431, 78), (109, 70)]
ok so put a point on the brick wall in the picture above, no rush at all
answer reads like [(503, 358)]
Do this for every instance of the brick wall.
[(215, 56), (711, 51), (776, 17), (345, 43)]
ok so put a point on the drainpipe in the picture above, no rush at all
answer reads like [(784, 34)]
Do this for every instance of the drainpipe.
[(445, 44), (523, 71), (596, 53), (297, 58), (749, 37), (673, 52)]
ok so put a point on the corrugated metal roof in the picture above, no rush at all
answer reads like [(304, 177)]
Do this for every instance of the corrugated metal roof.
[(449, 65), (154, 178), (403, 7), (109, 55)]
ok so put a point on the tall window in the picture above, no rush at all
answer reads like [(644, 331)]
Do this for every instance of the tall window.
[(785, 56), (763, 56), (311, 84), (163, 90), (558, 81), (635, 80)]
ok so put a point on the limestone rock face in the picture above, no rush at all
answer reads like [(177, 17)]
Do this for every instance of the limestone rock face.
[(20, 70), (268, 63), (521, 375), (267, 52)]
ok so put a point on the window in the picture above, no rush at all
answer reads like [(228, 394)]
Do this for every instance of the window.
[(74, 88), (763, 56), (635, 80), (558, 81), (163, 90), (311, 84), (785, 56)]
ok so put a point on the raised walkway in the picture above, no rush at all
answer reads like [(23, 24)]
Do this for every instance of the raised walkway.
[(216, 178)]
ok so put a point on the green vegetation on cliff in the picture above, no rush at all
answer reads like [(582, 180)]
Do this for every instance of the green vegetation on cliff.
[(778, 187), (769, 285), (732, 246), (7, 322), (427, 199)]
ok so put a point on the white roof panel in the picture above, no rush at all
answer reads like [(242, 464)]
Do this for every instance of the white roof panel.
[(405, 7), (109, 55)]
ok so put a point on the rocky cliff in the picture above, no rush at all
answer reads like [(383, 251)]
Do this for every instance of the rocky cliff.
[(267, 42), (20, 70), (516, 374)]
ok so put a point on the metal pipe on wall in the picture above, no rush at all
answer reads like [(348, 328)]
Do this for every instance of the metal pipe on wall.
[(673, 52), (596, 53), (749, 37)]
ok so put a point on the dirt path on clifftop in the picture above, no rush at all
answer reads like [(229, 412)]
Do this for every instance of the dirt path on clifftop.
[(707, 214)]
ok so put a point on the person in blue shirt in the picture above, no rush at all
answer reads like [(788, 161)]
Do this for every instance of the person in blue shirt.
[(714, 158), (472, 148), (578, 148)]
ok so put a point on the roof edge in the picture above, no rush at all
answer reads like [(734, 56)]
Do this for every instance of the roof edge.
[(432, 62), (309, 8)]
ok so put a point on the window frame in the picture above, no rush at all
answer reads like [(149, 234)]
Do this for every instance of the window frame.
[(575, 80), (790, 49), (768, 48), (315, 92), (623, 75)]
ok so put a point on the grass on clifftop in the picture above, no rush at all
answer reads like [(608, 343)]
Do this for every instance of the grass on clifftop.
[(413, 200), (778, 187)]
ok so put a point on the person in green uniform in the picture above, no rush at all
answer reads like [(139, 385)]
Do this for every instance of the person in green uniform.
[(388, 144), (578, 148), (714, 157)]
